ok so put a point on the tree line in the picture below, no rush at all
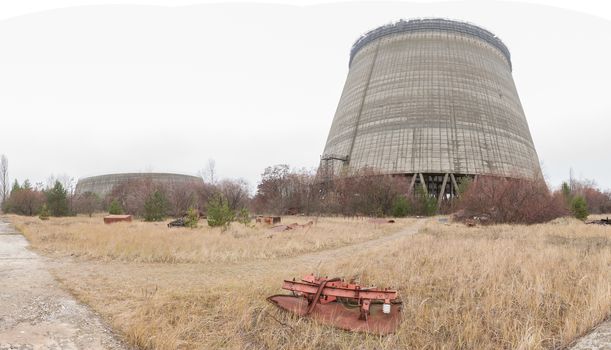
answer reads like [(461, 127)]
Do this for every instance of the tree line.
[(283, 190), (144, 198)]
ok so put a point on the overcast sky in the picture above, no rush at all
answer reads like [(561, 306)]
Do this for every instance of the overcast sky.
[(120, 88)]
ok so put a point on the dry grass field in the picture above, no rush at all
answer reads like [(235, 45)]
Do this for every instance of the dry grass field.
[(496, 287), (140, 241)]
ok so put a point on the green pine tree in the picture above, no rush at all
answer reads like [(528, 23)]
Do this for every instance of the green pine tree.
[(579, 208), (115, 208), (400, 207), (16, 188), (427, 204), (219, 213), (44, 212), (57, 200), (192, 218), (155, 207), (243, 216)]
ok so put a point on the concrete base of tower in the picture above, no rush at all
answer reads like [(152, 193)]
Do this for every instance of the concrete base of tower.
[(443, 186)]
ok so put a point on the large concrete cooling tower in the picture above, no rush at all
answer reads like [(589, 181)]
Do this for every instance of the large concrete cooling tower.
[(433, 99), (104, 184)]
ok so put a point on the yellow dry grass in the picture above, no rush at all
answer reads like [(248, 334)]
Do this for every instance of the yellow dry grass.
[(140, 241), (496, 287)]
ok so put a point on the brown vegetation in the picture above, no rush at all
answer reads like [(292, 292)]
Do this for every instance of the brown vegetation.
[(140, 241), (366, 192), (598, 202), (502, 200), (133, 194), (283, 190), (24, 200), (488, 287)]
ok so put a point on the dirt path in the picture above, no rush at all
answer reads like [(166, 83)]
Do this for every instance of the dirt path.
[(35, 313), (349, 250), (309, 262)]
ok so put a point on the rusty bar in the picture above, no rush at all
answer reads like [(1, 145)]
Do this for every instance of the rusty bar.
[(342, 292)]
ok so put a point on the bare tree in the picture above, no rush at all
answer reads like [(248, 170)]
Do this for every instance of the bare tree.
[(4, 180), (235, 192), (181, 197), (209, 174), (87, 203), (68, 182)]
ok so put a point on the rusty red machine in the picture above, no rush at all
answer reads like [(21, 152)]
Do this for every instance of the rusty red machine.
[(341, 304)]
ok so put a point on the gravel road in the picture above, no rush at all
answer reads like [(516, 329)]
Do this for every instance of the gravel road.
[(35, 313)]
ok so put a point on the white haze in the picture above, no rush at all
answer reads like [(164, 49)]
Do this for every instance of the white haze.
[(119, 88)]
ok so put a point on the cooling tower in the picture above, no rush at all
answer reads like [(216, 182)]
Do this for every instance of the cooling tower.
[(432, 99), (103, 184)]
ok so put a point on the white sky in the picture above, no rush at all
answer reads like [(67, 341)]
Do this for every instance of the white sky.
[(143, 86)]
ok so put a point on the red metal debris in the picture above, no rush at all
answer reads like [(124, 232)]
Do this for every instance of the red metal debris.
[(109, 219), (343, 305), (270, 220)]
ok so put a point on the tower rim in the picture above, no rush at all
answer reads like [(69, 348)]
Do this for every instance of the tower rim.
[(429, 24)]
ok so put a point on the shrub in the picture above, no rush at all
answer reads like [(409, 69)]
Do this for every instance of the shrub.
[(503, 200), (44, 212), (243, 216), (427, 204), (400, 207), (115, 208), (579, 208), (192, 218), (422, 203), (219, 213), (155, 207)]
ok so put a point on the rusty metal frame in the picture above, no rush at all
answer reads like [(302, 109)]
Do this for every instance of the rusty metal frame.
[(324, 299)]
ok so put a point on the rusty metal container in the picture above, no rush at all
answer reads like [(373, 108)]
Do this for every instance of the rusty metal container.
[(109, 219)]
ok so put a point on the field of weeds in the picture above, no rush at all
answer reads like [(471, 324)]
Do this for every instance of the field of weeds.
[(154, 242), (495, 287)]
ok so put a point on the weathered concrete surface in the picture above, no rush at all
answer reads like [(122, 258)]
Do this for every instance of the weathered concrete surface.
[(35, 313), (436, 99), (104, 184), (599, 339)]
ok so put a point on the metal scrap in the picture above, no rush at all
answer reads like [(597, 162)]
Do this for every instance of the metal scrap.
[(293, 226), (381, 221), (345, 305), (177, 223), (270, 220), (606, 221), (110, 219)]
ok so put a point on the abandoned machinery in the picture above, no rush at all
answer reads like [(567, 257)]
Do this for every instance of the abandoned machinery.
[(341, 304)]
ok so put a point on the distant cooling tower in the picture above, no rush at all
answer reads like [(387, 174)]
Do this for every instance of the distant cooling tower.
[(103, 184), (433, 100)]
